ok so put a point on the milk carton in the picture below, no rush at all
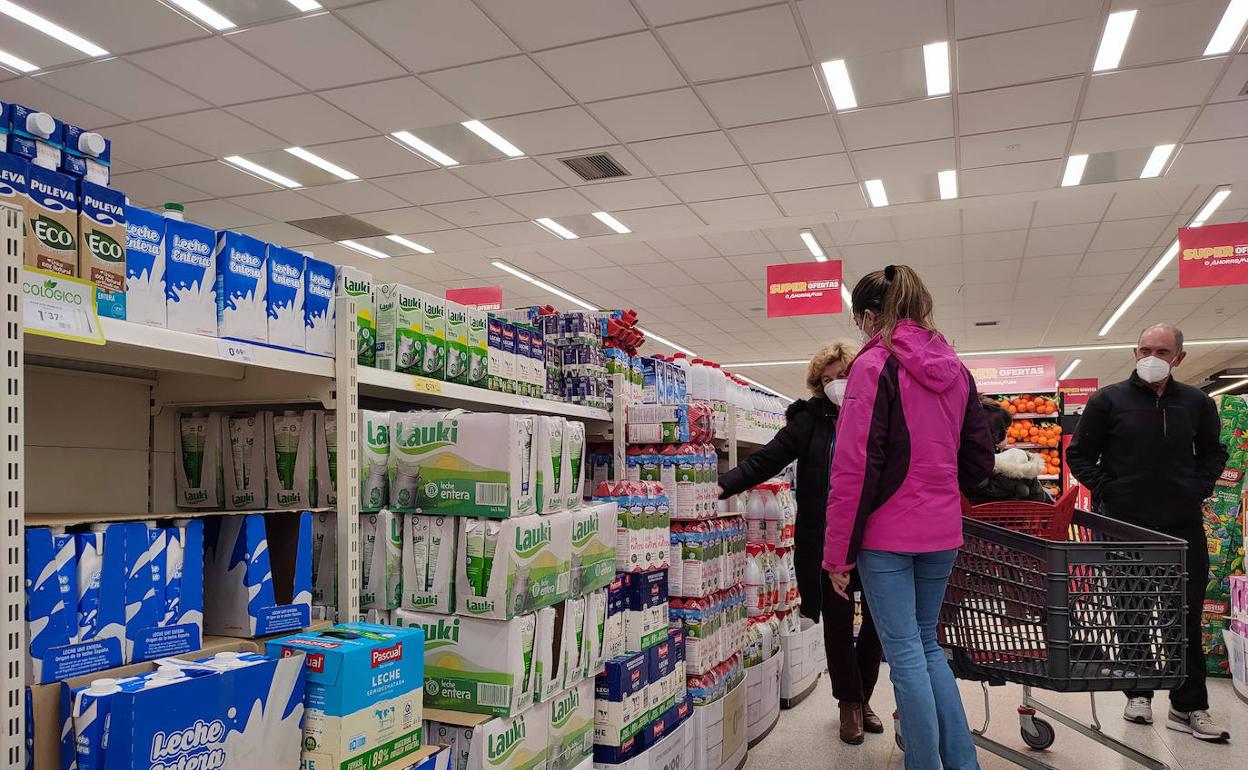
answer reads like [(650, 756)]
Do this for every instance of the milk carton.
[(518, 742), (571, 730), (145, 267), (514, 566), (101, 246), (358, 285), (574, 455), (433, 331), (86, 155), (374, 459), (524, 360), (284, 302), (326, 438), (52, 222), (198, 468), (429, 563), (593, 547), (243, 594), (164, 588), (381, 560), (318, 307), (289, 441), (364, 693), (400, 329), (551, 468), (457, 359), (478, 347), (36, 136), (242, 281), (537, 362), (511, 374), (15, 182), (496, 374), (245, 450), (324, 558), (190, 278)]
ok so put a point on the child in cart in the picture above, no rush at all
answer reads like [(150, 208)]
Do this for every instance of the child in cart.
[(1016, 472)]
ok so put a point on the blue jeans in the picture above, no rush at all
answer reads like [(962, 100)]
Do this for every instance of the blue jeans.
[(904, 591)]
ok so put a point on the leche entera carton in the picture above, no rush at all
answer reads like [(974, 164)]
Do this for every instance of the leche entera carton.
[(242, 282), (428, 563), (400, 328), (363, 696), (456, 343), (102, 246), (285, 298), (318, 307), (257, 573), (514, 566), (478, 347), (145, 268), (594, 530), (52, 221), (190, 278), (571, 729)]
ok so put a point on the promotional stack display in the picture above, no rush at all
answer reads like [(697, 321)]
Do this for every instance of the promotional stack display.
[(1224, 527)]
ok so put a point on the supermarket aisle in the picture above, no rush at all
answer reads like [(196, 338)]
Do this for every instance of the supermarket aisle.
[(805, 738)]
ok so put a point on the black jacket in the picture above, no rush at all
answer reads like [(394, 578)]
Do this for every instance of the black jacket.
[(1149, 460), (806, 437)]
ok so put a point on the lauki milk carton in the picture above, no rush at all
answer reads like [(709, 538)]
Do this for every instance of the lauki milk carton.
[(428, 563), (289, 441), (514, 566), (284, 302), (198, 468), (478, 347), (433, 332), (242, 280), (326, 437), (456, 343), (364, 694), (571, 728), (145, 267), (381, 560), (593, 547), (358, 285), (374, 459), (102, 246), (190, 278), (318, 307), (324, 559), (52, 222), (245, 450), (513, 743), (400, 328)]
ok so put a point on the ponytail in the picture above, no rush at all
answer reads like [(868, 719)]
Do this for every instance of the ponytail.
[(894, 294)]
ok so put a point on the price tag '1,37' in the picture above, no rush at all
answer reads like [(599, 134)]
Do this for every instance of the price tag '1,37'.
[(55, 305)]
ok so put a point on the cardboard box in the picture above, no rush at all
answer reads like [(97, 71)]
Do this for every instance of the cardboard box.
[(762, 697), (645, 609), (381, 560), (620, 711), (719, 730), (593, 547), (529, 569), (429, 563), (289, 441), (519, 742), (244, 449), (571, 730), (674, 750), (284, 298), (257, 573)]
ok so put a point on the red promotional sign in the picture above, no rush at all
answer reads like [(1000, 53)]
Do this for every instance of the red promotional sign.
[(805, 288), (1213, 255), (1076, 392), (478, 297), (1025, 374), (1083, 498)]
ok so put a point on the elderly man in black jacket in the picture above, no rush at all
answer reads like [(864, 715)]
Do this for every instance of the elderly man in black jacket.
[(1148, 447)]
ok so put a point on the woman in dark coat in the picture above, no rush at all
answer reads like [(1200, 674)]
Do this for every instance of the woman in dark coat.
[(808, 437)]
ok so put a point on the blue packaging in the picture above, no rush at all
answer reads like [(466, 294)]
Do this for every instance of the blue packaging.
[(14, 180), (86, 155), (241, 597), (284, 302), (102, 237), (242, 284), (190, 278), (169, 619), (145, 267), (318, 307), (621, 677), (26, 140)]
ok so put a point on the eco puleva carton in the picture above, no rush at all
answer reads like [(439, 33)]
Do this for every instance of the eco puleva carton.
[(524, 565), (429, 563), (476, 666), (364, 704), (571, 732), (102, 246), (357, 284), (52, 222)]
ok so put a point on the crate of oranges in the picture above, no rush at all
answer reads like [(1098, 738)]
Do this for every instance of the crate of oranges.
[(1029, 405), (1052, 461), (1030, 433)]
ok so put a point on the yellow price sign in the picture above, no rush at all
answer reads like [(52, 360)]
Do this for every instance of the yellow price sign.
[(425, 385)]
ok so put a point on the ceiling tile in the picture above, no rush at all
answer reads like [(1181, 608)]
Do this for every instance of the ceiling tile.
[(375, 156), (1070, 208), (431, 34), (514, 234), (982, 17), (1111, 262), (354, 197), (282, 234), (304, 119), (712, 185), (898, 123), (764, 98), (732, 210), (500, 87), (549, 203), (529, 23), (508, 176), (819, 171), (1222, 156), (994, 218), (1150, 88), (395, 105), (218, 178), (216, 132), (32, 90), (739, 243), (121, 26), (405, 221), (629, 194), (1017, 146), (822, 200), (1172, 30), (482, 211), (126, 89), (285, 205), (1231, 86), (560, 130), (689, 247), (843, 28), (1018, 106), (1221, 121), (649, 116), (318, 51), (687, 153), (1023, 56), (617, 66), (147, 188), (1020, 177), (663, 274), (220, 215), (1064, 239), (659, 219), (788, 139), (904, 160), (629, 252), (1152, 201), (1130, 233), (1126, 132), (737, 44), (987, 247), (215, 71), (454, 240), (661, 12), (144, 148), (927, 225)]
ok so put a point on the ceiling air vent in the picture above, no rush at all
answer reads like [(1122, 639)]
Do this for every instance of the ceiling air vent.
[(987, 323), (591, 168)]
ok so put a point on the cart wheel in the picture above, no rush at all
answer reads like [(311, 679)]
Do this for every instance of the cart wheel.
[(1042, 739)]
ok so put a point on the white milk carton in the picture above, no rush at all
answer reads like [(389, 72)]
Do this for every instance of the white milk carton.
[(199, 479), (594, 531), (478, 347), (284, 302), (381, 560), (325, 558), (358, 285), (190, 278), (513, 566), (145, 267), (574, 455), (318, 307), (552, 469), (245, 450), (429, 563), (433, 333), (571, 731), (457, 359), (374, 459), (86, 155), (242, 281), (326, 436), (289, 439), (400, 329), (517, 742)]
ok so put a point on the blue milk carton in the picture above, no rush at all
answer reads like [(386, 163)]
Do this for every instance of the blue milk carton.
[(241, 596), (364, 693), (86, 155), (143, 573), (172, 624), (145, 267), (36, 136), (242, 281), (14, 181), (318, 307), (284, 303), (102, 237), (190, 278)]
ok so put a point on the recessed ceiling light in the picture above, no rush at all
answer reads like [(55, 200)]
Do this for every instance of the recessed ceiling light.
[(846, 297), (1210, 207), (424, 148), (611, 222), (321, 163), (837, 77), (1113, 40), (50, 29), (305, 5), (815, 249), (364, 249), (1070, 369), (1232, 23), (207, 15), (21, 65), (489, 135), (1075, 165), (875, 191), (936, 65), (539, 283), (261, 171), (948, 181), (413, 245), (556, 228), (1157, 161)]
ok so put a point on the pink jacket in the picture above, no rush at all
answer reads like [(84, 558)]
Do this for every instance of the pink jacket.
[(910, 433)]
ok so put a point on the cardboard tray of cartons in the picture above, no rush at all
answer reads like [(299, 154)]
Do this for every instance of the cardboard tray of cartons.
[(676, 750), (520, 742), (719, 730), (762, 697), (804, 661)]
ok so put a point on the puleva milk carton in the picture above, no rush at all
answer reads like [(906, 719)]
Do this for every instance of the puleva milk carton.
[(284, 302), (242, 281), (52, 222), (456, 343), (512, 567), (400, 328), (14, 182), (145, 267), (318, 307), (86, 155), (478, 347), (433, 330), (243, 594), (358, 285), (364, 694), (102, 246), (190, 278)]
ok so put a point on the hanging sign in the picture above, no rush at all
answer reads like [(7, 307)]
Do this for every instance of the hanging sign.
[(478, 297), (804, 288), (54, 305), (1017, 374), (1075, 393), (1213, 255)]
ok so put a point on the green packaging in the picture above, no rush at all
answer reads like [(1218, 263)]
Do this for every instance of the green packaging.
[(478, 347), (357, 284), (457, 357)]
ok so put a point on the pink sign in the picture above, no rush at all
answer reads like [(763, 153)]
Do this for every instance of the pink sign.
[(804, 288), (1023, 374), (1213, 255), (1076, 392), (478, 297)]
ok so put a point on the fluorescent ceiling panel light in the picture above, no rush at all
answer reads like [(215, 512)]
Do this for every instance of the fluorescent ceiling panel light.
[(1210, 207), (1070, 369), (611, 222), (875, 191), (305, 5), (424, 148), (815, 249), (201, 11), (50, 29), (948, 181), (556, 228), (1235, 384), (1157, 161), (1113, 40), (13, 62), (936, 65), (489, 135), (845, 296), (756, 364), (1233, 20), (539, 283), (321, 163), (364, 249), (413, 245), (665, 341), (261, 171), (837, 77), (1075, 165)]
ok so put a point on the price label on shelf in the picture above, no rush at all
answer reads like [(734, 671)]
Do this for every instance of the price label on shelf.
[(55, 305), (526, 402), (425, 385), (233, 350)]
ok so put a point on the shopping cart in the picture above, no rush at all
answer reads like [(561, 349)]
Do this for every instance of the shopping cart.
[(1099, 609)]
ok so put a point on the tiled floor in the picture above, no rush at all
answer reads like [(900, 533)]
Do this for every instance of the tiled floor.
[(806, 736)]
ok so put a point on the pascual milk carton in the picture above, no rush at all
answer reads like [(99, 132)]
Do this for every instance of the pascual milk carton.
[(318, 307), (242, 282), (52, 222), (102, 246), (358, 285), (145, 267), (86, 155), (190, 278), (400, 328)]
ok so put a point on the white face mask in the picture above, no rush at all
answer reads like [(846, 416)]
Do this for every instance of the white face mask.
[(835, 390), (1152, 369)]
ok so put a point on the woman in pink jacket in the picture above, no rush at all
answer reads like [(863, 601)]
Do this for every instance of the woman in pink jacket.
[(911, 433)]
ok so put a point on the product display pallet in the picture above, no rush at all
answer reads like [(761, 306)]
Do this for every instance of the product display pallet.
[(763, 697)]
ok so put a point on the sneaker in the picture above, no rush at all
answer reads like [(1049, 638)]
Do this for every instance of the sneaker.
[(1139, 711), (1199, 724)]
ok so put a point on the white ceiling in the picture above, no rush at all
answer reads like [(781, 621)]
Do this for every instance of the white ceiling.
[(718, 109)]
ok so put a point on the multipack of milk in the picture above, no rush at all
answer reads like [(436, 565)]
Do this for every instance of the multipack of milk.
[(381, 560), (358, 285), (512, 566), (428, 563)]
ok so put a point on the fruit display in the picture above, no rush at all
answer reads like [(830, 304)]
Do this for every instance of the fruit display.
[(1029, 433), (1052, 461), (1027, 404)]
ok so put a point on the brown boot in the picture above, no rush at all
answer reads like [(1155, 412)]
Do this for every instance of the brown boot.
[(851, 723), (870, 722)]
